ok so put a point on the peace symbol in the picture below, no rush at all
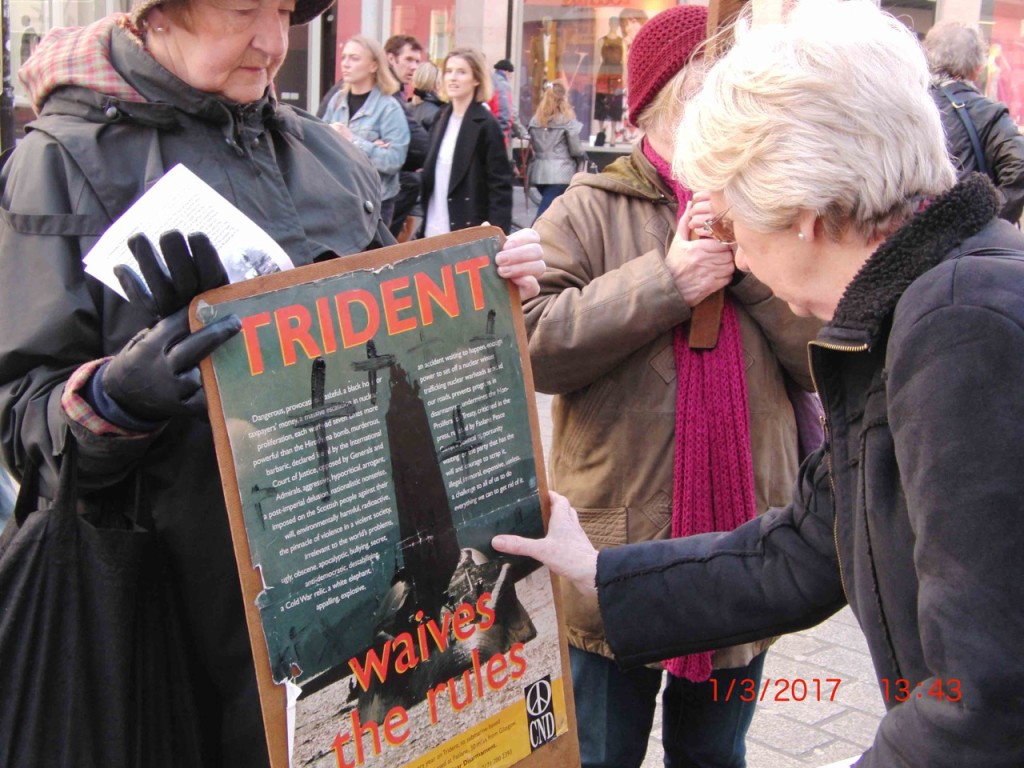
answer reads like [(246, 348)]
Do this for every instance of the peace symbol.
[(538, 698)]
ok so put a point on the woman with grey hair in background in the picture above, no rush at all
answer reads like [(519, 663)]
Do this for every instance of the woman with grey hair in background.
[(912, 511), (980, 134)]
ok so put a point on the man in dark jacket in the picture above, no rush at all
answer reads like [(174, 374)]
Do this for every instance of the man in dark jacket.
[(404, 53), (956, 54)]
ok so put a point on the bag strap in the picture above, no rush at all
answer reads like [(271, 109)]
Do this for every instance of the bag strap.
[(960, 108), (67, 486)]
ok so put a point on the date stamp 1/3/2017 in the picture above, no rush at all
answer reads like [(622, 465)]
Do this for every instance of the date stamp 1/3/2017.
[(777, 689)]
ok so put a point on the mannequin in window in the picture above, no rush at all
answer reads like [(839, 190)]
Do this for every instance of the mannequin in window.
[(630, 19), (608, 86), (546, 50)]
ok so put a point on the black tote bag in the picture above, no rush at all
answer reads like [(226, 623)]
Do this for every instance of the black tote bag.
[(93, 671)]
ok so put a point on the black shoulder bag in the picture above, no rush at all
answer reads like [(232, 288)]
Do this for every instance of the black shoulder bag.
[(93, 671)]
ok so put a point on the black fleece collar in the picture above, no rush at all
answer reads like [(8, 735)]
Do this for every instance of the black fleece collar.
[(920, 244)]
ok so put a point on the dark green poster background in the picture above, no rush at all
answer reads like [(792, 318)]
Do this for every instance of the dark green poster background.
[(379, 430)]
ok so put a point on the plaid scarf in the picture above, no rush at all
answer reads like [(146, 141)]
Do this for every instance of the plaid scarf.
[(78, 56), (713, 480)]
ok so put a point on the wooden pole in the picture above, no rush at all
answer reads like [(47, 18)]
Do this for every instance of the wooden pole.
[(706, 317)]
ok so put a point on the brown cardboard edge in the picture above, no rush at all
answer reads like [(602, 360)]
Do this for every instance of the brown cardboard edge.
[(563, 751), (560, 752)]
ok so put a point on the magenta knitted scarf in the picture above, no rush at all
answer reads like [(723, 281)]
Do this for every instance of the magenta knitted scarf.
[(713, 477)]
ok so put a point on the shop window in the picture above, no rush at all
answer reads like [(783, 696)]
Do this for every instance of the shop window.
[(30, 20), (585, 44)]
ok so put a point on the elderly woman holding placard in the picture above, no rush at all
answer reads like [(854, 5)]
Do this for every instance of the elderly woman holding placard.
[(121, 102)]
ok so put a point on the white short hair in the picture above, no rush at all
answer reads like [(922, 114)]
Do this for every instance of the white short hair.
[(955, 50), (829, 112)]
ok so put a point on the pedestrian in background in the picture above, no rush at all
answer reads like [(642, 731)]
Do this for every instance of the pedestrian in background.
[(555, 142), (467, 179), (653, 439), (502, 101), (364, 113), (29, 39), (404, 55), (426, 101), (913, 509), (980, 134), (503, 105)]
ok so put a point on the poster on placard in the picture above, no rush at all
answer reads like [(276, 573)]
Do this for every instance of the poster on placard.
[(375, 428)]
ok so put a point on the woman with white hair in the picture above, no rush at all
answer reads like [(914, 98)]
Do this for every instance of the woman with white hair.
[(980, 134), (649, 430), (913, 509)]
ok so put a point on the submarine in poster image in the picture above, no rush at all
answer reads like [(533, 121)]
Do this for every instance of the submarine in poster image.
[(437, 577)]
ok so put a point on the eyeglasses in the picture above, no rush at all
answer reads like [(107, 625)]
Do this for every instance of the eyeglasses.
[(720, 229)]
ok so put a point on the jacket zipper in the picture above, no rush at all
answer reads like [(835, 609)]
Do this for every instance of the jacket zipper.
[(828, 444)]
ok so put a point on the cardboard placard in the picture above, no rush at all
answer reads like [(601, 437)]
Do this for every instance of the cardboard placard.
[(375, 426)]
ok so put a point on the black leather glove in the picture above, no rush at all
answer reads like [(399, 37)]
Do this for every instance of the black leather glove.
[(155, 376), (193, 266)]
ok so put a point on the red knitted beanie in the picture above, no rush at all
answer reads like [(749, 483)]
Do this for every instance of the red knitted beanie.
[(660, 50)]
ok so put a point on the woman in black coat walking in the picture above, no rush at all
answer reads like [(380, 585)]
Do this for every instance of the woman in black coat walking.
[(467, 179)]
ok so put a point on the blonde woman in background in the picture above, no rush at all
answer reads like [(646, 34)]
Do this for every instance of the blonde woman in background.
[(426, 99), (364, 113), (467, 179), (555, 141)]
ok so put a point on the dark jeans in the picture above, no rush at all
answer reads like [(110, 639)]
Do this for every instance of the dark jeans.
[(615, 713), (548, 193)]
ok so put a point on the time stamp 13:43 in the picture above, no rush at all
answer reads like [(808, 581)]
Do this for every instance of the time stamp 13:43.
[(824, 689)]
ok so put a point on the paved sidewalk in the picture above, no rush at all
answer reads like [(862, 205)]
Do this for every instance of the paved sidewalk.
[(812, 732)]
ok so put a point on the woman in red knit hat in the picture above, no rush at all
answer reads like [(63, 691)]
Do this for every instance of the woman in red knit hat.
[(653, 439)]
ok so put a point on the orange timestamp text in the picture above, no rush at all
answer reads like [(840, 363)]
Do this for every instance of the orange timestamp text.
[(776, 689)]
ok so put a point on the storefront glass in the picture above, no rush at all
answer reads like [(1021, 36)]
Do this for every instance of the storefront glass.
[(1002, 77), (31, 19), (432, 22), (587, 46)]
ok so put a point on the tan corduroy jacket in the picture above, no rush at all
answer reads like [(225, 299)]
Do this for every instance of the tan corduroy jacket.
[(601, 341)]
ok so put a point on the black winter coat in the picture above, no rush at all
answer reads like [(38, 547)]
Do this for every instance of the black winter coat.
[(82, 163), (913, 510), (481, 182), (427, 111), (1001, 142)]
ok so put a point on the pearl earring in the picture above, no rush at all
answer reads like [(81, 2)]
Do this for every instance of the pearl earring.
[(800, 236)]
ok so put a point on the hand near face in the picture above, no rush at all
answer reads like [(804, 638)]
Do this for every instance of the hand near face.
[(521, 260), (699, 267), (565, 550)]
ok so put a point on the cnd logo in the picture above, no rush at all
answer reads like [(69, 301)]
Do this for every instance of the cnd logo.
[(540, 713)]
